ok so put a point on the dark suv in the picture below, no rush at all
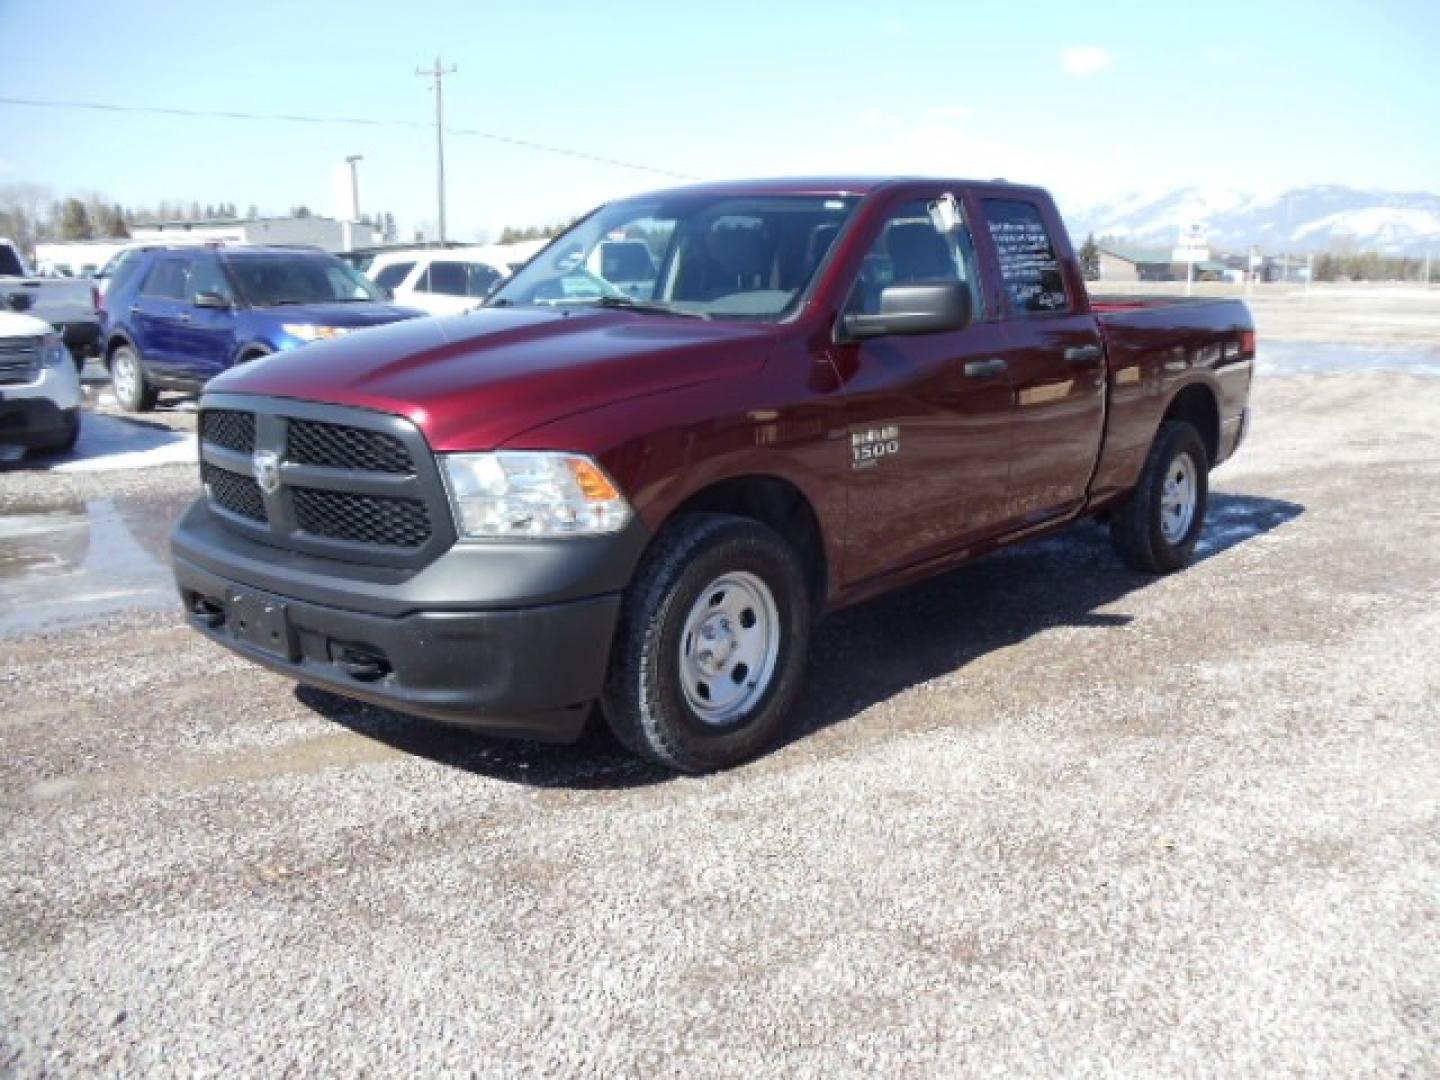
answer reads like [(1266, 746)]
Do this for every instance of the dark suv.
[(175, 317)]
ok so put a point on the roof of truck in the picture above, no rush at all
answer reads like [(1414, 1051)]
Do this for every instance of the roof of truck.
[(824, 185)]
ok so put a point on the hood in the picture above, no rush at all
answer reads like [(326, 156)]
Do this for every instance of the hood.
[(16, 325), (473, 381), (341, 314)]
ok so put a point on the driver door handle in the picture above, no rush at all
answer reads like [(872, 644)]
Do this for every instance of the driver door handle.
[(984, 369), (1082, 354)]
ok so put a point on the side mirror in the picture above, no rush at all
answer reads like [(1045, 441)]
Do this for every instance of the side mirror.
[(934, 307), (211, 300)]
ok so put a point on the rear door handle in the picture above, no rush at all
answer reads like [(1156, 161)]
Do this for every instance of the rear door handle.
[(1082, 354), (984, 369), (184, 316)]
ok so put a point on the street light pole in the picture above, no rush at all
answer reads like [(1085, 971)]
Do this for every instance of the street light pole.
[(352, 160), (438, 73)]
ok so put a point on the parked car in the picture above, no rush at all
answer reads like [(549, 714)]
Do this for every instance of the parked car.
[(441, 282), (177, 316), (67, 304), (832, 389), (39, 387), (627, 264)]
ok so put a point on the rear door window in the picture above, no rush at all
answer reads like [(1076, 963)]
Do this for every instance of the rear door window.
[(1029, 265), (207, 277), (168, 280), (446, 278)]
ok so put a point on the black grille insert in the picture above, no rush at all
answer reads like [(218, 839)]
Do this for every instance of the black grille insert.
[(362, 519), (336, 446), (233, 492), (228, 428)]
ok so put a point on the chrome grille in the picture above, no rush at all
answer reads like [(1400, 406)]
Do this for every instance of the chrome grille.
[(337, 446), (20, 360), (352, 484)]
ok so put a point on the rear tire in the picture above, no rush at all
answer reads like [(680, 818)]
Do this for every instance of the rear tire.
[(710, 649), (133, 391), (1155, 530)]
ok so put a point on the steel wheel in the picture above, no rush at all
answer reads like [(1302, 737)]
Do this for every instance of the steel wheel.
[(124, 375), (728, 647), (1178, 498)]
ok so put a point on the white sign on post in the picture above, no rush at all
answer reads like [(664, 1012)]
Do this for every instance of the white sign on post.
[(1191, 247)]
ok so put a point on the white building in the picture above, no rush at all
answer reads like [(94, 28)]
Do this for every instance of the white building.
[(321, 232)]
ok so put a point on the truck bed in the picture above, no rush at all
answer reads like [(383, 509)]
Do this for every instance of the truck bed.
[(1155, 346)]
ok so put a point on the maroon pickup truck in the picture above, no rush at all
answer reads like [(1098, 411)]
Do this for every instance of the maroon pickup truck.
[(644, 497)]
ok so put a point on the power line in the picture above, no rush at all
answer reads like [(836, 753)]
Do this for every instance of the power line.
[(361, 121)]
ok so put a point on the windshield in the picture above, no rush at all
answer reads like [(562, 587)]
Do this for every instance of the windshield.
[(735, 257), (272, 280)]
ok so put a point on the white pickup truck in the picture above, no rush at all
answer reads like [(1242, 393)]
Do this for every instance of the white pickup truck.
[(67, 304), (39, 388)]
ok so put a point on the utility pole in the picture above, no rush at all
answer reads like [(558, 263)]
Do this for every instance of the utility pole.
[(352, 160), (438, 73)]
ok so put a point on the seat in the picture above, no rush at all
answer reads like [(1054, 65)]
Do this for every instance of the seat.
[(739, 254), (919, 253)]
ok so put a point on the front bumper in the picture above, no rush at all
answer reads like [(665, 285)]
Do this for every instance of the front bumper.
[(515, 644)]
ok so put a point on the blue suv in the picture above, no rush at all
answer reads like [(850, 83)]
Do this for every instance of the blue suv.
[(175, 317)]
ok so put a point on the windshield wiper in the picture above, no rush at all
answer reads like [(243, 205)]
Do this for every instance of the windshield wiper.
[(649, 307)]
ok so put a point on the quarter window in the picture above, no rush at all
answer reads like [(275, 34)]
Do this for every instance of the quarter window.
[(392, 275), (1029, 266)]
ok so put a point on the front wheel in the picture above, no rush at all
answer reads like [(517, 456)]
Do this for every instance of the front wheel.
[(127, 377), (711, 645), (1157, 527)]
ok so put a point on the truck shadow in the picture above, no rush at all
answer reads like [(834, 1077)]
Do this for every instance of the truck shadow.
[(906, 638)]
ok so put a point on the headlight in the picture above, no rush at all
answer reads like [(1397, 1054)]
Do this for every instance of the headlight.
[(311, 332), (52, 350), (531, 493)]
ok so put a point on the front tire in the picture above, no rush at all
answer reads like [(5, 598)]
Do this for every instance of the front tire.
[(1156, 529), (710, 650), (133, 391)]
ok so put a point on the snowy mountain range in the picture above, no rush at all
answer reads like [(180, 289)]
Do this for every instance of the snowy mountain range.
[(1321, 217)]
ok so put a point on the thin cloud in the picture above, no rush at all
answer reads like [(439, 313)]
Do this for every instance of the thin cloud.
[(1081, 60)]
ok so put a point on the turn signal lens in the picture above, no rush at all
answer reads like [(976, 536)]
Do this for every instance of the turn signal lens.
[(594, 484)]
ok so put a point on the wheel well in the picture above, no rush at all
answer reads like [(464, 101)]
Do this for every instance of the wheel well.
[(1195, 405), (115, 343), (780, 505)]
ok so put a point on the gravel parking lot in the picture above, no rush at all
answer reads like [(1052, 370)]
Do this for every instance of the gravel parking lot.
[(1040, 816)]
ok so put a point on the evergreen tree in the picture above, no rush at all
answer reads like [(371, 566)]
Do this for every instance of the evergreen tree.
[(75, 221), (1090, 258)]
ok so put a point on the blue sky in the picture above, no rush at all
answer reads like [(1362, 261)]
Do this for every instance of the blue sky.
[(1092, 100)]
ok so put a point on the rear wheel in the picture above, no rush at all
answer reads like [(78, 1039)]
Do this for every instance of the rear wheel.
[(711, 645), (1157, 527), (127, 377)]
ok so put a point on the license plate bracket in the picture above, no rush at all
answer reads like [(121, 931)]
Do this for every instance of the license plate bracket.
[(261, 622)]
